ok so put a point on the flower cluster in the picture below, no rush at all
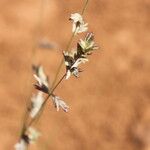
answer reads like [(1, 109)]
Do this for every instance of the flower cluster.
[(78, 24), (75, 58)]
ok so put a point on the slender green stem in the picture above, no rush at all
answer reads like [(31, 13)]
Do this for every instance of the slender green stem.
[(84, 7), (70, 41), (58, 83), (57, 73)]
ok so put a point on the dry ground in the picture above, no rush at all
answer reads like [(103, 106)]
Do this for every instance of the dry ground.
[(109, 103)]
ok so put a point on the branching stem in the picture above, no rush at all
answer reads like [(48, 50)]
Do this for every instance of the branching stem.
[(58, 70), (46, 99), (54, 84)]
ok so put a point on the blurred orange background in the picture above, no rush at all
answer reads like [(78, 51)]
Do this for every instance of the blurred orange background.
[(109, 102)]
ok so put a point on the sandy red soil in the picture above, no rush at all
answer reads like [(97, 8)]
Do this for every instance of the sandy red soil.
[(109, 103)]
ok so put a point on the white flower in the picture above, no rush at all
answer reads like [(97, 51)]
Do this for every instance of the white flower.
[(59, 103), (88, 44), (78, 24), (42, 80), (74, 68), (37, 101), (72, 61), (79, 29), (33, 135), (75, 58), (22, 145), (76, 17), (85, 44), (78, 62)]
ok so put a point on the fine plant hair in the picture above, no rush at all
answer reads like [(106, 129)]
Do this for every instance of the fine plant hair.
[(71, 59)]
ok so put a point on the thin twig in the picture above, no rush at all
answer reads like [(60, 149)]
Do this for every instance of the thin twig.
[(84, 7)]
